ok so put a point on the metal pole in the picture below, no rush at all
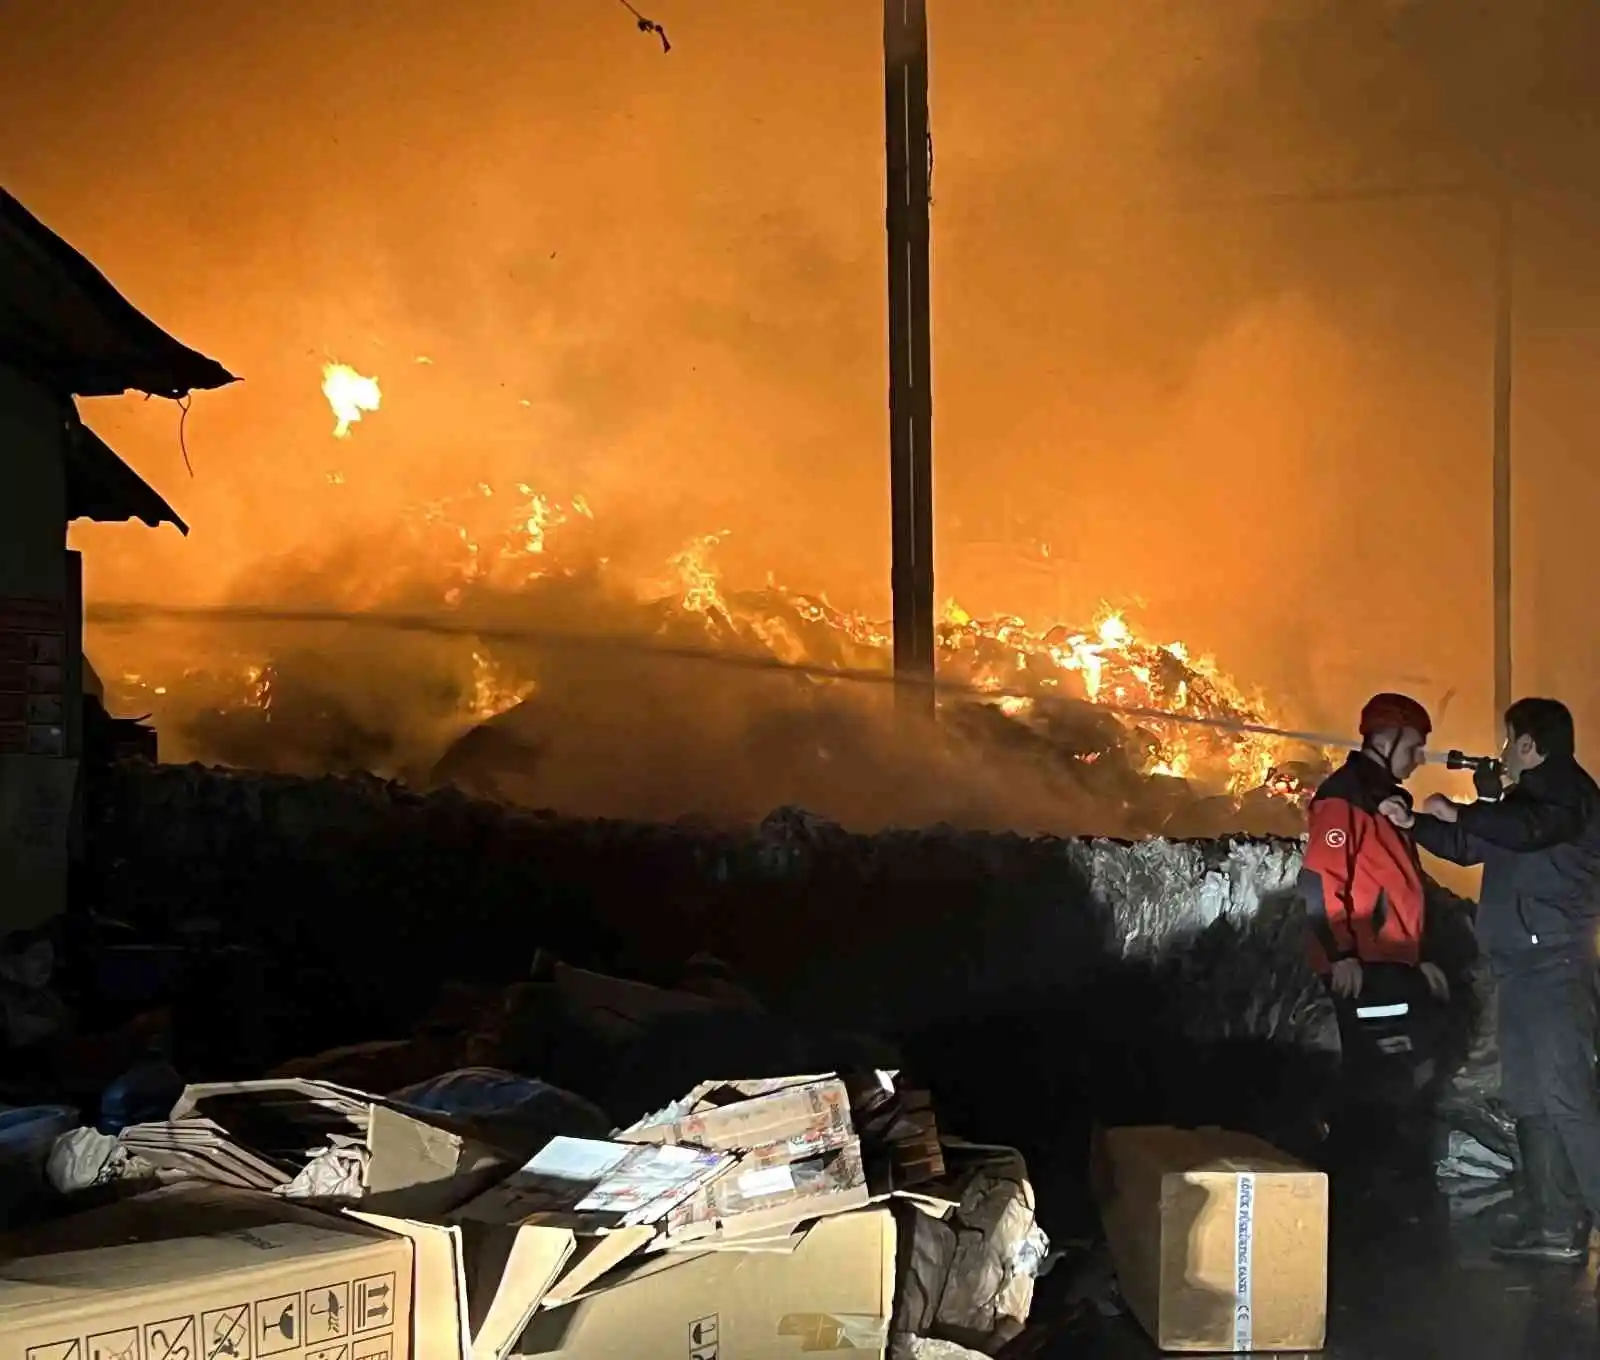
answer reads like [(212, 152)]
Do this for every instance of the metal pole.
[(1502, 459), (905, 57)]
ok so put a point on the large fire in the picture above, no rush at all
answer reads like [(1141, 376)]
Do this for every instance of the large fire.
[(1050, 708), (486, 545)]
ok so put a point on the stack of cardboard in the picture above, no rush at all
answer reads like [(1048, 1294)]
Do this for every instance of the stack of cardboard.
[(749, 1218), (316, 1141)]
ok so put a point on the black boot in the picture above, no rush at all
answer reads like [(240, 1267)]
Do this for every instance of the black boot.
[(1550, 1224)]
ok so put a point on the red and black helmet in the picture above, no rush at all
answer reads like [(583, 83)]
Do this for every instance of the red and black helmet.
[(1392, 712)]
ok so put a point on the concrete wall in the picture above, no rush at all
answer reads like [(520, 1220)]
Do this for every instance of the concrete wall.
[(35, 790)]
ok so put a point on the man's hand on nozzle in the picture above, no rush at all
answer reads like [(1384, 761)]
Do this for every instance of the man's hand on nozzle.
[(1487, 780), (1398, 811), (1347, 978), (1437, 982), (1437, 805)]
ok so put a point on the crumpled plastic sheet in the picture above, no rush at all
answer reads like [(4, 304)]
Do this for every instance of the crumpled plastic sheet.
[(336, 1173), (1468, 1159), (1470, 1106), (1028, 1258), (82, 1158), (929, 1348)]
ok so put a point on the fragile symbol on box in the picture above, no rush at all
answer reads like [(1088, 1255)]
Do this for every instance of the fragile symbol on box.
[(122, 1344), (170, 1340), (56, 1350), (703, 1338), (328, 1312), (373, 1347), (374, 1302), (277, 1324), (330, 1352), (225, 1333)]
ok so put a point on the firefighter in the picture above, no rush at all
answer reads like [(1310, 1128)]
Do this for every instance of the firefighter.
[(1365, 905), (1539, 844), (1362, 881)]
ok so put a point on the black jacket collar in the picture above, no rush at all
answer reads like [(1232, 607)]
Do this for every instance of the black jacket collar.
[(1377, 781)]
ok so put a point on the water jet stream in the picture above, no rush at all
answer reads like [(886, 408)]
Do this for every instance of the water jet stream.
[(129, 614)]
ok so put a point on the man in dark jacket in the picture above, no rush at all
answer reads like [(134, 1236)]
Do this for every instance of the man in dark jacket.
[(1539, 845)]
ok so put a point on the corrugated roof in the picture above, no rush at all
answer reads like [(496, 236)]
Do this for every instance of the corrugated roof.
[(63, 322), (101, 487)]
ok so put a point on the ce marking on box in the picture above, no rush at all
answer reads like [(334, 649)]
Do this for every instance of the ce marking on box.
[(703, 1338)]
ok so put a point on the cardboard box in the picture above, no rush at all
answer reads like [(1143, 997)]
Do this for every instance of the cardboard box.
[(199, 1272), (312, 1139), (479, 1277), (834, 1292), (1220, 1241)]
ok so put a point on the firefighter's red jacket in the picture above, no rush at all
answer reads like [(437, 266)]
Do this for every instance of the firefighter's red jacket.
[(1362, 881)]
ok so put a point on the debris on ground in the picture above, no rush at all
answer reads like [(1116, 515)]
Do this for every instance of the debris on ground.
[(789, 1211), (538, 1134)]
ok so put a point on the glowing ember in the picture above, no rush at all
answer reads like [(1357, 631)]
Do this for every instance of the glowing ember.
[(349, 394), (1283, 784), (492, 692)]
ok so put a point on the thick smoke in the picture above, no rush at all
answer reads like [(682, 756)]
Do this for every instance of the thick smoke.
[(659, 280)]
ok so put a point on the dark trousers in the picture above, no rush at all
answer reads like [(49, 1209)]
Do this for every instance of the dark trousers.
[(1547, 1055), (1388, 1070)]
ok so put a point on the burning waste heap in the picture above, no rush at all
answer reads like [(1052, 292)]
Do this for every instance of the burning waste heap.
[(1036, 985), (301, 904), (543, 667)]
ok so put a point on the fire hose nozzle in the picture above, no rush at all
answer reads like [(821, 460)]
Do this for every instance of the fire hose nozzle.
[(1488, 774)]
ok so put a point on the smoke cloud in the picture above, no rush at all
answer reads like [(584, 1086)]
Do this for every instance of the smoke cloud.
[(657, 280)]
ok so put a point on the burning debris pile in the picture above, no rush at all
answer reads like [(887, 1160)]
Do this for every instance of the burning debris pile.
[(596, 709)]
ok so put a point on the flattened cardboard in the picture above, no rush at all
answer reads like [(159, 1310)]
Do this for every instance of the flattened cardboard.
[(199, 1272), (808, 1114), (834, 1292), (592, 1185), (259, 1135), (798, 1155), (1220, 1241), (763, 1195)]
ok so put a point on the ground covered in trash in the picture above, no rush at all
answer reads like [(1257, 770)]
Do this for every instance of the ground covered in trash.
[(543, 977)]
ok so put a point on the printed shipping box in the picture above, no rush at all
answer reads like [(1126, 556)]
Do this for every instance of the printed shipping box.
[(1220, 1241), (200, 1272)]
